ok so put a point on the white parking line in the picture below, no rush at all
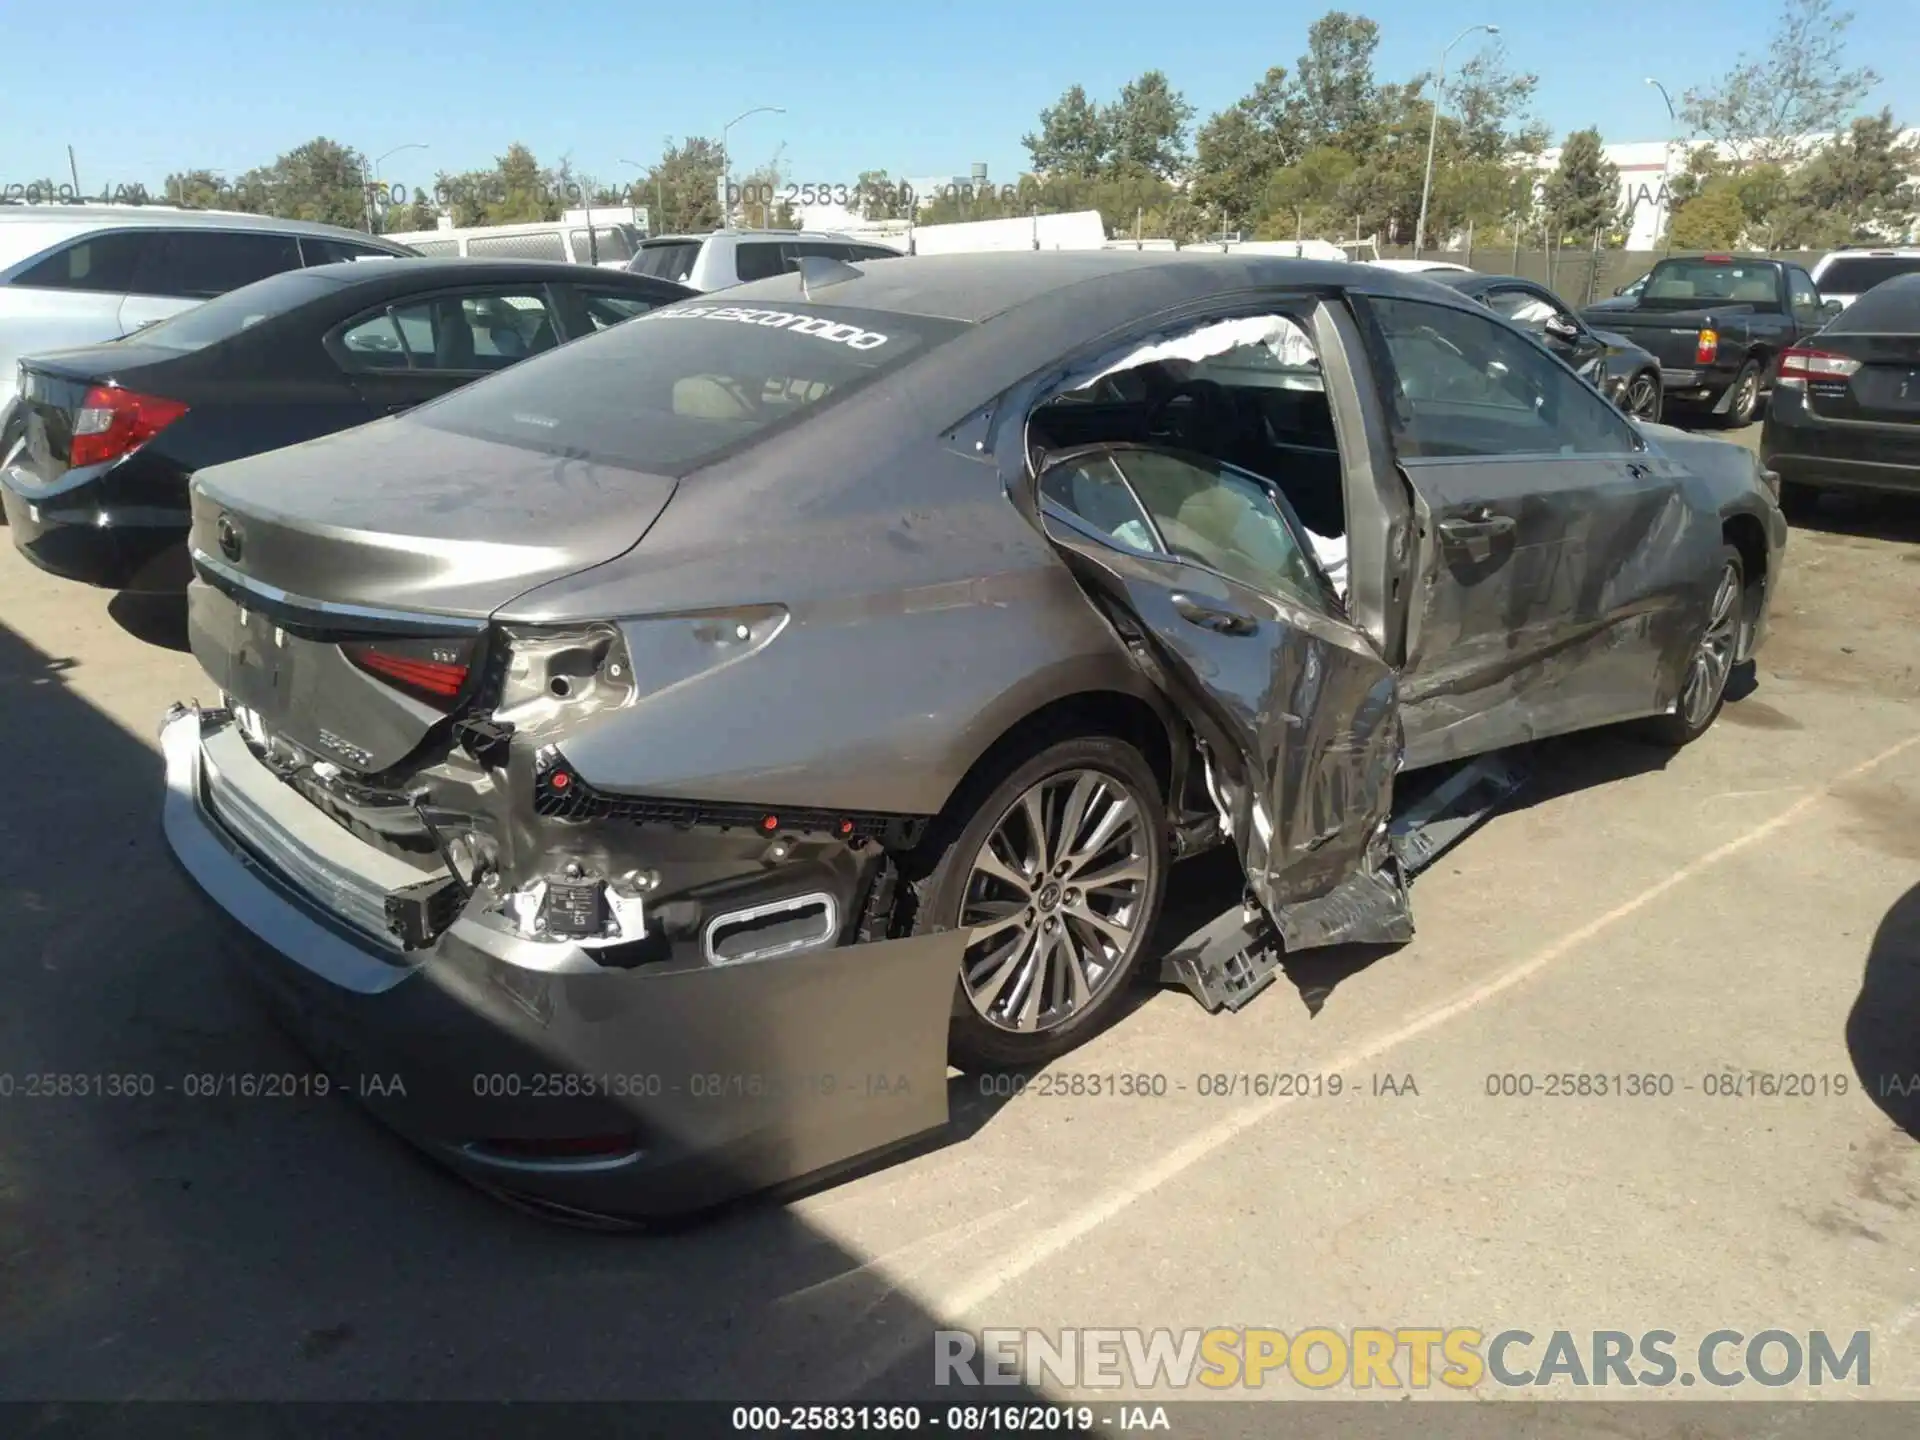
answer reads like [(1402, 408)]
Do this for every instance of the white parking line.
[(1044, 1245)]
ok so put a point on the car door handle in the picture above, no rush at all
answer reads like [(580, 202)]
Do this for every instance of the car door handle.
[(1212, 617), (1480, 525)]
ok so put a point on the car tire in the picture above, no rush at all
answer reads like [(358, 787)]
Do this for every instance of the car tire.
[(954, 875), (1743, 398), (1713, 659)]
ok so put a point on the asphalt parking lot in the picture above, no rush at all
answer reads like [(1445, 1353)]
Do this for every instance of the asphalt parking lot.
[(1751, 906)]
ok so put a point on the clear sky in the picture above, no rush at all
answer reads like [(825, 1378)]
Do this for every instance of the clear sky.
[(914, 89)]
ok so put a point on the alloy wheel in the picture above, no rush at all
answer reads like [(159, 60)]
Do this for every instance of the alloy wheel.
[(1713, 660), (1643, 398), (1054, 900), (1747, 396)]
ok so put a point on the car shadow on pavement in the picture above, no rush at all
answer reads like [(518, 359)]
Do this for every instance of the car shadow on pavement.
[(1869, 516), (152, 619), (157, 1243), (1883, 1028)]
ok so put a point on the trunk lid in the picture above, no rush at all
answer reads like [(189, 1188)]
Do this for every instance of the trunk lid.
[(399, 516), (1885, 390), (347, 582)]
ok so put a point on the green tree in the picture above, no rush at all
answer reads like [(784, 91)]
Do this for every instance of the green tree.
[(1310, 195), (321, 180), (201, 189), (1072, 139), (880, 198), (1147, 128), (1714, 219), (684, 185), (1583, 193), (1760, 110), (1240, 150), (1336, 99), (520, 190), (1858, 187)]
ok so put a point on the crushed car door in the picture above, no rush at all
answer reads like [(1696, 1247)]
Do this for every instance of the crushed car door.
[(1552, 545), (1204, 573)]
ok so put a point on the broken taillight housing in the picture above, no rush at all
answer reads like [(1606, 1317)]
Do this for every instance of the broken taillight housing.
[(113, 423), (433, 671)]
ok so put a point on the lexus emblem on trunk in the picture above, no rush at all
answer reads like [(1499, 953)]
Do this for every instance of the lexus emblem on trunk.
[(229, 534)]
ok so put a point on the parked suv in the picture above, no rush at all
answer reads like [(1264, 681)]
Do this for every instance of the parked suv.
[(1849, 272), (734, 257), (79, 274)]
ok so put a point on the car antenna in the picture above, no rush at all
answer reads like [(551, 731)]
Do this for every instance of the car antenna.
[(822, 271)]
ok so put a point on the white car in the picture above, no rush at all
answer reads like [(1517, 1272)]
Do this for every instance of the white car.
[(75, 275), (733, 257), (1419, 267), (1849, 272)]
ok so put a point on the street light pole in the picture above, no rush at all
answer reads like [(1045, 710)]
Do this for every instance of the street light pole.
[(726, 158), (366, 182), (1666, 168), (1433, 134)]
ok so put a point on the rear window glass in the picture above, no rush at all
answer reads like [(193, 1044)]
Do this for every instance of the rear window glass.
[(674, 389), (225, 316), (1889, 309), (760, 260), (666, 260), (1857, 274), (1704, 280)]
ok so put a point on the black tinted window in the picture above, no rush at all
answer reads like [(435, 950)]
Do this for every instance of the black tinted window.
[(1857, 274), (227, 315), (666, 259), (758, 260), (196, 264), (100, 262), (1464, 384), (1892, 308), (674, 388)]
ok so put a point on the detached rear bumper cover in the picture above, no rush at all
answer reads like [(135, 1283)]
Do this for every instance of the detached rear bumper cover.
[(494, 1053)]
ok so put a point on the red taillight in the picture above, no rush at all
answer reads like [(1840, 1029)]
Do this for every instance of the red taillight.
[(1707, 347), (113, 422), (431, 680), (1803, 363)]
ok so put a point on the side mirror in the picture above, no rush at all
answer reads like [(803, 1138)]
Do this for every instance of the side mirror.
[(1619, 289), (1559, 327), (1831, 308)]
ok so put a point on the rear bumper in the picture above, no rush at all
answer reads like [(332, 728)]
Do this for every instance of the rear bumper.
[(532, 1071), (1806, 450), (71, 532)]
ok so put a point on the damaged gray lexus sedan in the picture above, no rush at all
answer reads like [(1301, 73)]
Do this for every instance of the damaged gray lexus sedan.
[(647, 767)]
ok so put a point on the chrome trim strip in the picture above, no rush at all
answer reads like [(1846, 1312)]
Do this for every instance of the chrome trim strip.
[(475, 1153), (785, 947), (269, 598)]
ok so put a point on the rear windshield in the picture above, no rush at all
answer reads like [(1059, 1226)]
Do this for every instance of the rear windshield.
[(666, 259), (225, 316), (671, 390), (1889, 309), (1857, 274), (1694, 282)]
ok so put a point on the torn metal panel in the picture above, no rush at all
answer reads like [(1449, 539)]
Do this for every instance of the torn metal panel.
[(1228, 961), (1454, 807), (640, 1091), (1368, 907)]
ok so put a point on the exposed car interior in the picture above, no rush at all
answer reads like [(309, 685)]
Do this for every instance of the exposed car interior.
[(1260, 406)]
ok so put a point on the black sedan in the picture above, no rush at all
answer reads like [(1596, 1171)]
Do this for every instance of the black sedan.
[(1845, 412), (95, 481), (1622, 371)]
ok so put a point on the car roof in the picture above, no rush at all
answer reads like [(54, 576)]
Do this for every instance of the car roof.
[(103, 217), (977, 286)]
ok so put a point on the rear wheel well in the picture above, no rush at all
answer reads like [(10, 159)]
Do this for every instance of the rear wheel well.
[(1091, 712), (1746, 534)]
